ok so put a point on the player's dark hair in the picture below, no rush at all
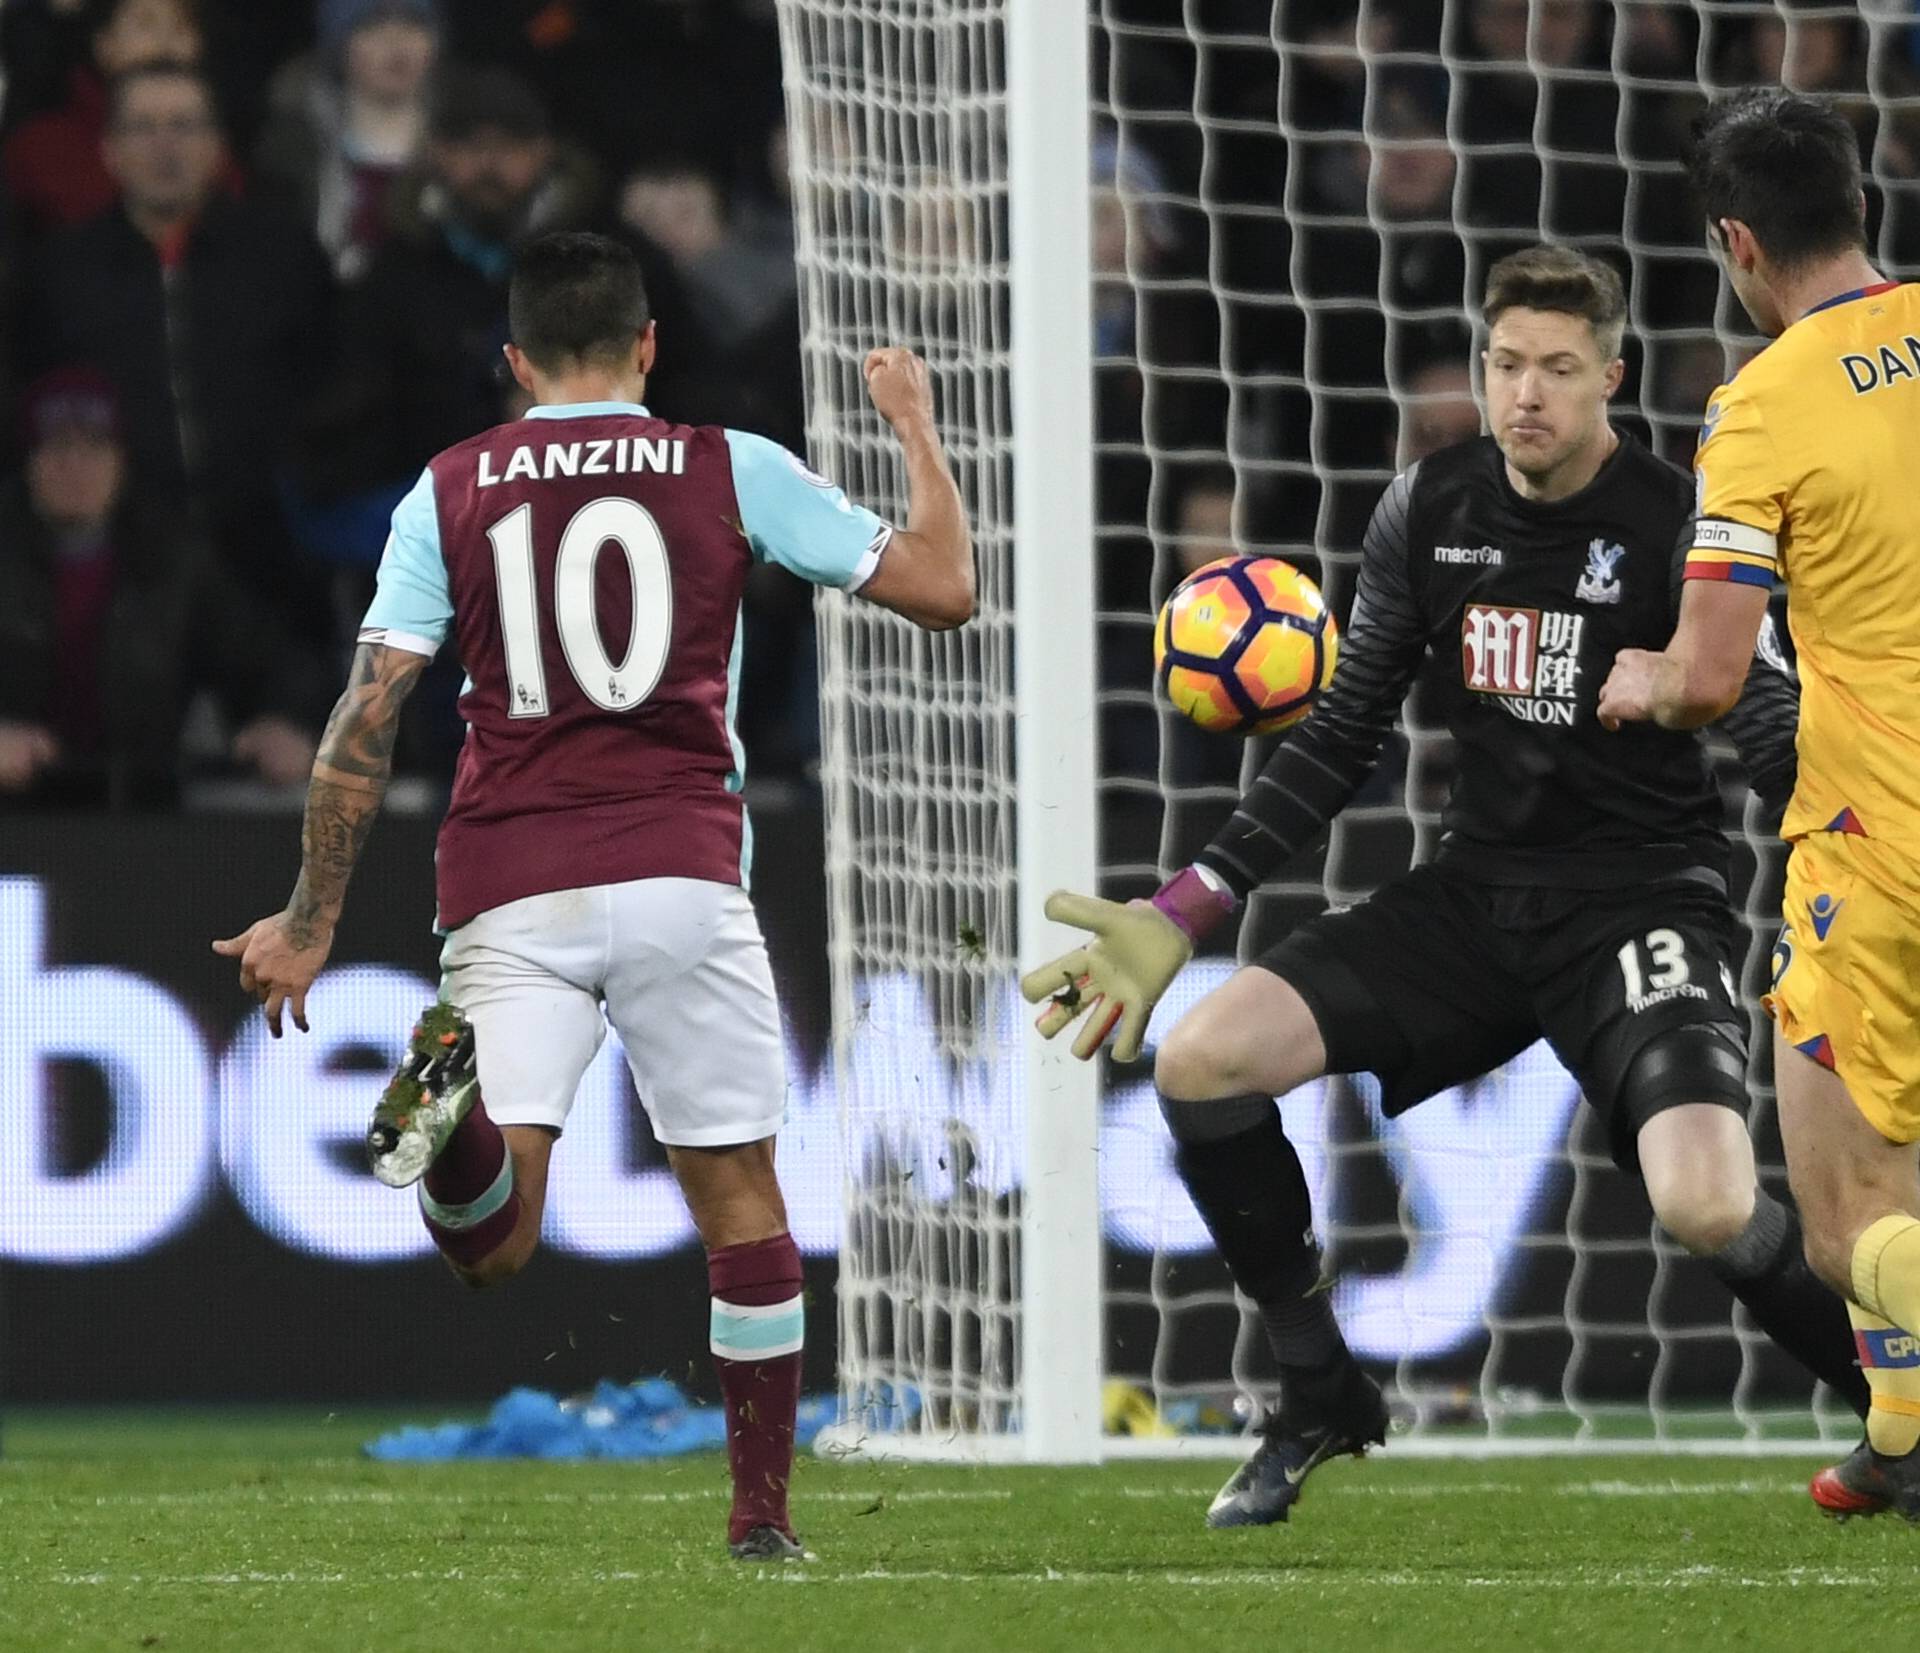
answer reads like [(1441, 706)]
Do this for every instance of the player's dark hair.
[(576, 297), (1786, 166), (141, 73), (1560, 279)]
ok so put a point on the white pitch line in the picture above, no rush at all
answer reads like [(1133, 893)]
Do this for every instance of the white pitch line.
[(384, 1495), (1471, 1489), (1687, 1578), (1674, 1489), (506, 1498), (1643, 1581)]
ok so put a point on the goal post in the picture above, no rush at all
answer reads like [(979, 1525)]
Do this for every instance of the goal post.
[(960, 772), (1193, 278), (1056, 728)]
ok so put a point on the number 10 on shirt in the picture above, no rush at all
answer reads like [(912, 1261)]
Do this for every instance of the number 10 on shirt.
[(614, 686)]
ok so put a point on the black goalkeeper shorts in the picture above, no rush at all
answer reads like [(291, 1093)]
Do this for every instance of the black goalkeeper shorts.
[(1437, 979)]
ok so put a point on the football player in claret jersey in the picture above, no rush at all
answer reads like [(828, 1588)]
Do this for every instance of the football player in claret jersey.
[(1806, 471), (1579, 893), (587, 561)]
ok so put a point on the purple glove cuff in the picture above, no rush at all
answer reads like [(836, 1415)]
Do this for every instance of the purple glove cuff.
[(1192, 903)]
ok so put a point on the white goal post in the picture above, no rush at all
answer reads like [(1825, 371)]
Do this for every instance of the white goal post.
[(1196, 275)]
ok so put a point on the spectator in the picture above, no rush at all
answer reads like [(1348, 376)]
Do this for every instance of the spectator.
[(1384, 286), (768, 394), (1128, 222), (1812, 49), (1807, 50), (113, 616), (735, 287), (40, 43), (1203, 529), (1536, 77), (637, 78), (1561, 32), (348, 119), (763, 212), (1437, 409), (420, 365), (54, 165), (208, 313), (1683, 375)]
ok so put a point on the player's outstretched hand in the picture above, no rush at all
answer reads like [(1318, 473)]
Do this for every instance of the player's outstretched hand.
[(279, 958), (899, 384), (1627, 695), (1115, 980)]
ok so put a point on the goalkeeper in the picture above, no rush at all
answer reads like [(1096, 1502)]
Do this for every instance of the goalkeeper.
[(1579, 893)]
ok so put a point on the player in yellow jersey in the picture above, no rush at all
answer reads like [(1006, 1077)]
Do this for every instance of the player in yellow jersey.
[(1807, 471)]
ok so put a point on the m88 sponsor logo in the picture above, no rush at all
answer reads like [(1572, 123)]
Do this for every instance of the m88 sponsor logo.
[(1527, 659)]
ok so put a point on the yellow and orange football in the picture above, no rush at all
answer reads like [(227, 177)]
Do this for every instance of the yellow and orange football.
[(1245, 645)]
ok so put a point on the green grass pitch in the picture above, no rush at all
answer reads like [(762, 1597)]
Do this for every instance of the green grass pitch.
[(269, 1533)]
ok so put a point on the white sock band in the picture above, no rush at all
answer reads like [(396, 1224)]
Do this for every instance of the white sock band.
[(746, 1331), (474, 1211)]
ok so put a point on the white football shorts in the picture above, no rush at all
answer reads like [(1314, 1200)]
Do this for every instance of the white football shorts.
[(679, 965)]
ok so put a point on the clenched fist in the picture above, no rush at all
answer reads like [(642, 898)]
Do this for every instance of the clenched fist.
[(899, 384)]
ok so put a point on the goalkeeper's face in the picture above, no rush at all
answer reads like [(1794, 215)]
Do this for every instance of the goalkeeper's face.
[(1548, 384)]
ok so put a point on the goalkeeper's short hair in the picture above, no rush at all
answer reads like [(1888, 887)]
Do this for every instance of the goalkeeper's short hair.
[(1561, 279)]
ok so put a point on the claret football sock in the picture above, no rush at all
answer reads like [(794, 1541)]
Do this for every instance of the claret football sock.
[(1245, 1180), (1890, 1357), (1765, 1266), (759, 1329), (467, 1196)]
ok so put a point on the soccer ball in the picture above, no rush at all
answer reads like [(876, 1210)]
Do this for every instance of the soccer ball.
[(1245, 645)]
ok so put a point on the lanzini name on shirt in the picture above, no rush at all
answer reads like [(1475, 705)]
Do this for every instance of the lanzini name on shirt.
[(605, 456)]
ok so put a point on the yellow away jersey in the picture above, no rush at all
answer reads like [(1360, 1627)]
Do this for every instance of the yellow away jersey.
[(1809, 466)]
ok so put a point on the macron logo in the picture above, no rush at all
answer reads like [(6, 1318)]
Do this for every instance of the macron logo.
[(1489, 556)]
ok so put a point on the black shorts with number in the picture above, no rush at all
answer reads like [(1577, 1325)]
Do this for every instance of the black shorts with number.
[(1438, 978)]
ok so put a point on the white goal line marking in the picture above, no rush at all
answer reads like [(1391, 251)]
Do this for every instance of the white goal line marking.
[(1683, 1578), (1647, 1580), (506, 1497)]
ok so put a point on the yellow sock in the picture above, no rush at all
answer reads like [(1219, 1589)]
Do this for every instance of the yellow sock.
[(1890, 1359), (1886, 1269)]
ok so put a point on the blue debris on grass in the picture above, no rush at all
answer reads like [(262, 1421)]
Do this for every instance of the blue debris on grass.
[(650, 1419)]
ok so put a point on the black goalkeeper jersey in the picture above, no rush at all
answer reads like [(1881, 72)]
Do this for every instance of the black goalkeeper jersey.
[(1521, 607)]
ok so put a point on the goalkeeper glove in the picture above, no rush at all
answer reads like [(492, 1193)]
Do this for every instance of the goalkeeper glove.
[(1136, 951)]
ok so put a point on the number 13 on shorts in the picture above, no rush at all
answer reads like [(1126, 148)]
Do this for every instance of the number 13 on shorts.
[(1664, 967)]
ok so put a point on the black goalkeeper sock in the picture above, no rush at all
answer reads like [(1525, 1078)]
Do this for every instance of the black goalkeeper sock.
[(1245, 1180), (1765, 1266)]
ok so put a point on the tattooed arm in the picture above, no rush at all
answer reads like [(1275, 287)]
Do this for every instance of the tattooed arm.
[(280, 956)]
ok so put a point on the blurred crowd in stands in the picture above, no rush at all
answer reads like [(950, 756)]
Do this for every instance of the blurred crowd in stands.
[(253, 261), (253, 264)]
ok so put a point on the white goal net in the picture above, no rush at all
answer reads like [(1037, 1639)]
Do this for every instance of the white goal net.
[(1293, 204)]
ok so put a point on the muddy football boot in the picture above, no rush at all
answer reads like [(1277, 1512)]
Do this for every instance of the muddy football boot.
[(425, 1100)]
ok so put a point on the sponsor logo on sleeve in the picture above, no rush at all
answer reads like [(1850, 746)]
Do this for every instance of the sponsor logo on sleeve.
[(1707, 423), (1769, 648)]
